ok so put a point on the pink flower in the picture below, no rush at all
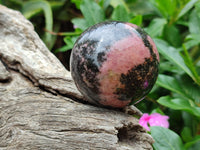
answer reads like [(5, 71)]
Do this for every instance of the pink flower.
[(154, 119)]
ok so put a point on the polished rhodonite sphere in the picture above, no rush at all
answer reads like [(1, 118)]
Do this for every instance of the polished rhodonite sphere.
[(114, 64)]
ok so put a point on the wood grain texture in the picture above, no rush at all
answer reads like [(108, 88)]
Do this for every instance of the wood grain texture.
[(4, 74), (40, 107)]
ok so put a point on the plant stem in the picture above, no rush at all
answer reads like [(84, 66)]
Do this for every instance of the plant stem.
[(63, 33)]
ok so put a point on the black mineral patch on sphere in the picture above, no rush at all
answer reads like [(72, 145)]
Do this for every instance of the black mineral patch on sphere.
[(114, 63)]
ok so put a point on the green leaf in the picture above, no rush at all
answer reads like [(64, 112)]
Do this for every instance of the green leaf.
[(191, 121), (186, 134), (172, 35), (166, 139), (169, 67), (136, 20), (189, 88), (104, 4), (70, 40), (92, 12), (172, 55), (56, 4), (140, 7), (189, 63), (69, 44), (192, 40), (180, 104), (166, 7), (186, 8), (156, 27), (77, 3), (182, 22), (194, 22), (62, 49), (182, 85), (197, 7), (116, 3), (80, 23), (157, 110), (194, 144), (170, 83), (30, 7), (120, 14)]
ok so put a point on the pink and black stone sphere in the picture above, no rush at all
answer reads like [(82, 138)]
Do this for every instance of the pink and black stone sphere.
[(114, 64)]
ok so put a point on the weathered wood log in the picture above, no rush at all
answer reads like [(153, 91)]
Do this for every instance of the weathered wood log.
[(40, 107)]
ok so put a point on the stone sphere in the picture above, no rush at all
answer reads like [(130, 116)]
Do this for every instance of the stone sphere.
[(114, 64)]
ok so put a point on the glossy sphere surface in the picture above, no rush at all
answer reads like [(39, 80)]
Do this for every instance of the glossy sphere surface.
[(114, 63)]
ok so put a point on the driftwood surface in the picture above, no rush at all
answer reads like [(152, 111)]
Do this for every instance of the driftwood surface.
[(40, 107)]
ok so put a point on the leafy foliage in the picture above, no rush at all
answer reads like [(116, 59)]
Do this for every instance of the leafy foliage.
[(32, 7), (166, 139), (175, 27)]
